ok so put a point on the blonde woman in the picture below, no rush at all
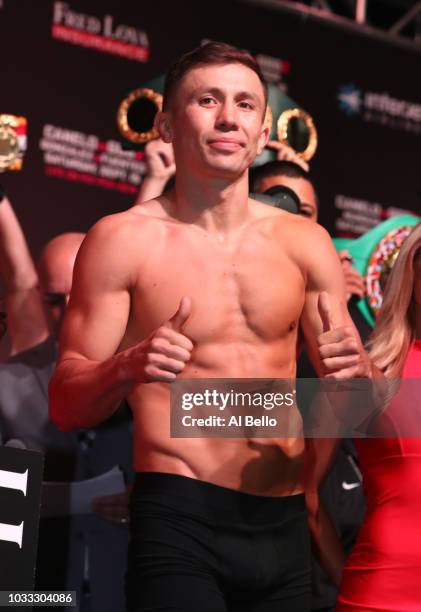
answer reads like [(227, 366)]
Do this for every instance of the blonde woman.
[(383, 572)]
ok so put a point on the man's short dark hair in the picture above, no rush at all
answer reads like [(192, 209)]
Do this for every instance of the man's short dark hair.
[(211, 53), (275, 168)]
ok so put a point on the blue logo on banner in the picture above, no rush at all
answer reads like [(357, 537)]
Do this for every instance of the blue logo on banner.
[(350, 99)]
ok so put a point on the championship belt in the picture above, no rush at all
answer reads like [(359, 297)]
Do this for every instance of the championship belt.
[(374, 254), (12, 142)]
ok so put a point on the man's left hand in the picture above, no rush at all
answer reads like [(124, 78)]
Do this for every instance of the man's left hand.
[(341, 353)]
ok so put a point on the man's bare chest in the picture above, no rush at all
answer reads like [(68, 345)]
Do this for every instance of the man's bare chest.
[(249, 288)]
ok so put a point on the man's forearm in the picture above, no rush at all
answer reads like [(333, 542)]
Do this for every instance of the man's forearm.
[(16, 265), (326, 544), (327, 547), (85, 393)]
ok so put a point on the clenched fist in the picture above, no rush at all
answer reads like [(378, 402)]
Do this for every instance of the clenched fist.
[(340, 350), (165, 352)]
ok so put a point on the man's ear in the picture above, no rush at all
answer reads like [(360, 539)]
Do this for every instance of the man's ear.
[(263, 139), (162, 124)]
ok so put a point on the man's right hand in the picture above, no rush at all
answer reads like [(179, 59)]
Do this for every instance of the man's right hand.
[(164, 354)]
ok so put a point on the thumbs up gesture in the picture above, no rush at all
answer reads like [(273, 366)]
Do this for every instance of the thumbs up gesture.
[(164, 354), (340, 349)]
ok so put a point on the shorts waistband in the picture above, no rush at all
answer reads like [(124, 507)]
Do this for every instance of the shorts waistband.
[(216, 501)]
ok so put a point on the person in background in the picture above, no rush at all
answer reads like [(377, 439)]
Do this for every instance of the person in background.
[(384, 568), (86, 553)]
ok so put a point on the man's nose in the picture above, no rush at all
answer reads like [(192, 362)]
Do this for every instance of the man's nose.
[(227, 118)]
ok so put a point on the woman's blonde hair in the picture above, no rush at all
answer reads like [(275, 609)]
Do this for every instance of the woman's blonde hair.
[(395, 326)]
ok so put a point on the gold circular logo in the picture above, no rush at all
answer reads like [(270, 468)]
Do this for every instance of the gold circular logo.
[(283, 123), (148, 97)]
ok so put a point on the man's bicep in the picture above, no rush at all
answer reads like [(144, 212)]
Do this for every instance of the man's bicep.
[(94, 331), (99, 306)]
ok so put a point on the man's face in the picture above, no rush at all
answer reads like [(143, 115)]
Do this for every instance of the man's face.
[(303, 189), (216, 120), (55, 279)]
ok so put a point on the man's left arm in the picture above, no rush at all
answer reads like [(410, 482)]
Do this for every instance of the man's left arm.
[(336, 352), (333, 342)]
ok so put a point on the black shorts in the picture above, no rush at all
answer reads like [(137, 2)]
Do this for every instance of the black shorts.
[(199, 547)]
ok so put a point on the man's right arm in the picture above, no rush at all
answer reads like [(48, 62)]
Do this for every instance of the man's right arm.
[(92, 377)]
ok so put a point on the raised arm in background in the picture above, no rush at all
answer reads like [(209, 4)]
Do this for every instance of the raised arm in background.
[(25, 315)]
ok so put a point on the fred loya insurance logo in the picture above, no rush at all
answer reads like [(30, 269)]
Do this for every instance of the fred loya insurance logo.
[(99, 33)]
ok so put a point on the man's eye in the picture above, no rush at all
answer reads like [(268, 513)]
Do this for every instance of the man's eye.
[(246, 105), (207, 101)]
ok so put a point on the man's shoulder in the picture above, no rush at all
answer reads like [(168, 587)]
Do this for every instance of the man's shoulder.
[(270, 216), (157, 208), (123, 230), (293, 225), (115, 248), (305, 233)]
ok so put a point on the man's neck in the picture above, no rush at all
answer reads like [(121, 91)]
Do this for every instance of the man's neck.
[(217, 205)]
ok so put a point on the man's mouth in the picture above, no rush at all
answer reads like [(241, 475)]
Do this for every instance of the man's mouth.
[(225, 144)]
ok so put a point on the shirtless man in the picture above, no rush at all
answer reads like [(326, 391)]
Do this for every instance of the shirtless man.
[(204, 282)]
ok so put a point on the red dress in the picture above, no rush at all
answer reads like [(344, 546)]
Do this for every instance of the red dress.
[(383, 572)]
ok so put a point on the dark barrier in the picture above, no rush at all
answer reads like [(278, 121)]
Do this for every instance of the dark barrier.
[(20, 494)]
